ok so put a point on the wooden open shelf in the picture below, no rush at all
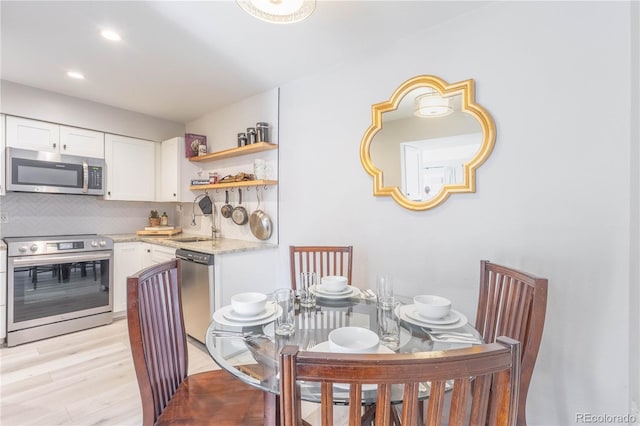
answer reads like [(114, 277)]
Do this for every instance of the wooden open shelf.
[(235, 152), (226, 185)]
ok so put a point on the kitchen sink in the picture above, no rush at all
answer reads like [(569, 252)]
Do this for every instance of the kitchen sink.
[(190, 239)]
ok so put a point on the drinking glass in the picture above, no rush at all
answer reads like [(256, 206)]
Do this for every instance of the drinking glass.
[(307, 296), (285, 311), (389, 322), (384, 285)]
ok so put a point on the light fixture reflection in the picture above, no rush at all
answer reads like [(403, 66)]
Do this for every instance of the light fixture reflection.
[(432, 104), (279, 11)]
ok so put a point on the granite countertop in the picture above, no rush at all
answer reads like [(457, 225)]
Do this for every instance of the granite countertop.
[(224, 245)]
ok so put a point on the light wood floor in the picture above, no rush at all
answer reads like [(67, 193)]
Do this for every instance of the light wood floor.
[(83, 378)]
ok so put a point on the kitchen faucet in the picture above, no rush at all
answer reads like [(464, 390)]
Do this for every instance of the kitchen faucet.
[(208, 208)]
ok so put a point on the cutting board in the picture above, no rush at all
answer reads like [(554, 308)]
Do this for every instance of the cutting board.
[(158, 230)]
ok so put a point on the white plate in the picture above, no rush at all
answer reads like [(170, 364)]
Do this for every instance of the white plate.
[(232, 315), (352, 292), (220, 318), (321, 289), (450, 318), (324, 347), (403, 312)]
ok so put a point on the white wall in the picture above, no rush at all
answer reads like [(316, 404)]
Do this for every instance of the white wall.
[(25, 101), (552, 199), (221, 127)]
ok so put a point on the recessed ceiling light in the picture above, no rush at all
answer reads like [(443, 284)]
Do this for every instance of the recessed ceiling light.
[(111, 35), (75, 74)]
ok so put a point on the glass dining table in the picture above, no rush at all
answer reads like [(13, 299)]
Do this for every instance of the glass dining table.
[(249, 349)]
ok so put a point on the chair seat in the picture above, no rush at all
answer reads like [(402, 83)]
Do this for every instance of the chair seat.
[(214, 398)]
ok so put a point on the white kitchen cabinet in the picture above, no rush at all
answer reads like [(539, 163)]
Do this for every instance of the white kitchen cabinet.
[(32, 134), (50, 137), (2, 146), (153, 254), (131, 168), (81, 142), (169, 170), (146, 255), (127, 260), (3, 294), (160, 254)]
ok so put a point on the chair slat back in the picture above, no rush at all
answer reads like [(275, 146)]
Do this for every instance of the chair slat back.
[(513, 303), (466, 373), (323, 260), (157, 335)]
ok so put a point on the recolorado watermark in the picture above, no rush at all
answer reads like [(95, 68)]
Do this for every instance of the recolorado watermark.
[(606, 418)]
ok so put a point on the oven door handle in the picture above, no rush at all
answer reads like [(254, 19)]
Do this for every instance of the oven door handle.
[(67, 258)]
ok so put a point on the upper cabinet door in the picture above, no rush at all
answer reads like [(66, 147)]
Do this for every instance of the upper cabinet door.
[(130, 166), (32, 134), (82, 142), (169, 171)]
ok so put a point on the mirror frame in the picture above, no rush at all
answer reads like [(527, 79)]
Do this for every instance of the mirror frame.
[(464, 88)]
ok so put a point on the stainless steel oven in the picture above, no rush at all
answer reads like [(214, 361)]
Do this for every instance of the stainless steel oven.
[(57, 284)]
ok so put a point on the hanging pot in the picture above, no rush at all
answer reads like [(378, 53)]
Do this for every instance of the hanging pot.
[(239, 214), (260, 222), (226, 209)]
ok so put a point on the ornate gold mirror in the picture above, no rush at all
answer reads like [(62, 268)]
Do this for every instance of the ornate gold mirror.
[(426, 142)]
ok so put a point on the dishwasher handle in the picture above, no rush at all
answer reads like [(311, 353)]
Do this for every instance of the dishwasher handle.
[(194, 256)]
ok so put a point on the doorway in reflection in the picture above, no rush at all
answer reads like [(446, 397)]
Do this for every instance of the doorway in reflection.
[(427, 165)]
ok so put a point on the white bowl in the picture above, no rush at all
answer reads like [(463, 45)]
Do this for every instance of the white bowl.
[(248, 303), (432, 307), (353, 340), (334, 283)]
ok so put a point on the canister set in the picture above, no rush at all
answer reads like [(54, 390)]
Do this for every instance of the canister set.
[(260, 133)]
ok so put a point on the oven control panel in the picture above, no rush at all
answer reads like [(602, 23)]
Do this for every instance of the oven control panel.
[(31, 246)]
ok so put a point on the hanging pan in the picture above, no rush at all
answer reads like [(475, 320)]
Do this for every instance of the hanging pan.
[(226, 209), (239, 214), (260, 222)]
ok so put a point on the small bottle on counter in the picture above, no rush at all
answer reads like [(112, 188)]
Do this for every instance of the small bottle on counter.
[(164, 219)]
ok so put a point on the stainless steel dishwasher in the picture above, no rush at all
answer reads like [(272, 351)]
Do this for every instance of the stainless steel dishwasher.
[(198, 291)]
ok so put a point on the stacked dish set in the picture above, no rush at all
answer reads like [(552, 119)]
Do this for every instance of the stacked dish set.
[(433, 312), (247, 309), (335, 287)]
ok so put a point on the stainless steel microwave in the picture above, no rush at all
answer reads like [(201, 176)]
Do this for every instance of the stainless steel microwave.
[(48, 172)]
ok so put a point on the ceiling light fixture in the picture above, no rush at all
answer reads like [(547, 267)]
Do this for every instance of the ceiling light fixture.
[(110, 35), (75, 74), (279, 11), (432, 104)]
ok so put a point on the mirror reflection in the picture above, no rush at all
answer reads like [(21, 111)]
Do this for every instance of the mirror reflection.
[(426, 141)]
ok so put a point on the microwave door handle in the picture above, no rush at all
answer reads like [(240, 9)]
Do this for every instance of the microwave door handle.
[(85, 177)]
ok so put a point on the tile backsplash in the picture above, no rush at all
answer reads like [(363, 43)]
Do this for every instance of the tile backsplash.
[(52, 214)]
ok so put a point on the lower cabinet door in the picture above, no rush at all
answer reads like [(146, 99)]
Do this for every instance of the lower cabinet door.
[(127, 261)]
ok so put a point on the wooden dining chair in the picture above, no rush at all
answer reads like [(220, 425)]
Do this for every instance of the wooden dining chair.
[(513, 303), (323, 260), (159, 349), (456, 371)]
